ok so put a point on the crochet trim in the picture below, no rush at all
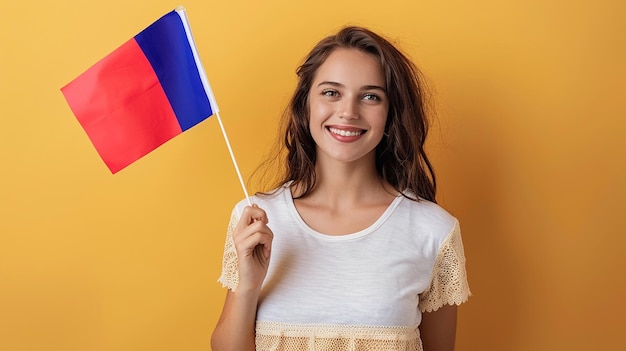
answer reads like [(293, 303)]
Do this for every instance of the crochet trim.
[(230, 266), (313, 337), (449, 284)]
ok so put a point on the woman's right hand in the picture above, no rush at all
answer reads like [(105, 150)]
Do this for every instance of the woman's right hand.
[(253, 241)]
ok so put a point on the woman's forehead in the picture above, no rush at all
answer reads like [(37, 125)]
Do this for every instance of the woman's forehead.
[(351, 67)]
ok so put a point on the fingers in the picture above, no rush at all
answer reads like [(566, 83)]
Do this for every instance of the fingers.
[(259, 240), (252, 231), (252, 214)]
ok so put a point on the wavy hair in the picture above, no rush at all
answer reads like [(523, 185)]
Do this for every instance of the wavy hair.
[(400, 156)]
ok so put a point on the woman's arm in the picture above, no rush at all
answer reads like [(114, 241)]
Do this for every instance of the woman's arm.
[(252, 239), (438, 329), (235, 328)]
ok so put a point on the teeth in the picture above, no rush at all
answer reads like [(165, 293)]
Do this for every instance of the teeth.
[(344, 132)]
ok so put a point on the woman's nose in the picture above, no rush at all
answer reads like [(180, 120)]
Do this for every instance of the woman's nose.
[(349, 109)]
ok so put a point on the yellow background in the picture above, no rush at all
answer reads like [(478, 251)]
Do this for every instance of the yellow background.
[(528, 146)]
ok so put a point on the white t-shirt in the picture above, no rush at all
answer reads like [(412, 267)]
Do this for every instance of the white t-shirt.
[(365, 290)]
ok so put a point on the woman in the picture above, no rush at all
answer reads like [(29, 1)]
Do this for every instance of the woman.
[(350, 252)]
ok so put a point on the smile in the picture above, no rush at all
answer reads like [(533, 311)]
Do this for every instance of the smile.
[(347, 133)]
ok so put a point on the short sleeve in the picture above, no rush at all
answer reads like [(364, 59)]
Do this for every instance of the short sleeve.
[(230, 267), (449, 284)]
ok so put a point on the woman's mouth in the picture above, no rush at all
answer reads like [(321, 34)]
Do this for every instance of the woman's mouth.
[(346, 132)]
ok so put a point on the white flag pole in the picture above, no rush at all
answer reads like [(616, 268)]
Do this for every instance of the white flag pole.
[(232, 156), (207, 87)]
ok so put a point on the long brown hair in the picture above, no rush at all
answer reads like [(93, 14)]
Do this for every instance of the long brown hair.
[(400, 156)]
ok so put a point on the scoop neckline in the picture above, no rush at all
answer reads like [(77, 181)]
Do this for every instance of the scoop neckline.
[(350, 236)]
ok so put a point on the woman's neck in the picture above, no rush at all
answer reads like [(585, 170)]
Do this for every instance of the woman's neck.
[(347, 198), (344, 185)]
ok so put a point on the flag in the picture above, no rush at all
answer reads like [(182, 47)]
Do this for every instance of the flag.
[(144, 93)]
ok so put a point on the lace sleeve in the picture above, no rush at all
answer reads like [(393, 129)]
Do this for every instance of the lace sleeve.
[(230, 270), (449, 284)]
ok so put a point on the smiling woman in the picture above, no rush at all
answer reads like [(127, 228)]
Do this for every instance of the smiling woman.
[(349, 251), (348, 106)]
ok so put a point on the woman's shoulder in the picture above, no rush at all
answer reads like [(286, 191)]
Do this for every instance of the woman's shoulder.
[(428, 215), (272, 198)]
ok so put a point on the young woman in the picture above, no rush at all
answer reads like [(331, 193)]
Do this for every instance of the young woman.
[(350, 252)]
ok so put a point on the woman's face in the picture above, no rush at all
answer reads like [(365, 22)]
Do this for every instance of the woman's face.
[(348, 106)]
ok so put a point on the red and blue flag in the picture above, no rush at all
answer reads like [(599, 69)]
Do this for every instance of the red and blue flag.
[(144, 93)]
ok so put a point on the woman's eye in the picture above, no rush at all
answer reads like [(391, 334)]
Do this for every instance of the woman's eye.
[(372, 97), (331, 93)]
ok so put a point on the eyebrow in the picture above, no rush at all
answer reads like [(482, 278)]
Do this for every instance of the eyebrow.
[(365, 87)]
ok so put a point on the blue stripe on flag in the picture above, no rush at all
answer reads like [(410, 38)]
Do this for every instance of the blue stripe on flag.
[(166, 46)]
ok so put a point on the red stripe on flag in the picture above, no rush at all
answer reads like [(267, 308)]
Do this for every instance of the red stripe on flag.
[(122, 107)]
